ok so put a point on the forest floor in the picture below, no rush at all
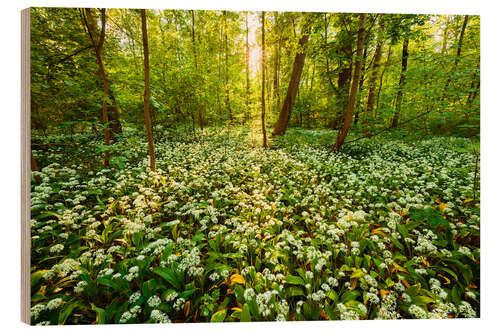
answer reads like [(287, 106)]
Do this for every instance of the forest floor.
[(227, 231)]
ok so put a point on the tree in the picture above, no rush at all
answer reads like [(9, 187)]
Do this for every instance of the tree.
[(381, 80), (293, 86), (345, 41), (226, 65), (354, 87), (97, 43), (34, 167), (200, 114), (457, 57), (247, 70), (147, 116), (399, 98), (373, 78), (263, 62)]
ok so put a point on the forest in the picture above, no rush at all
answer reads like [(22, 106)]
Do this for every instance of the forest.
[(224, 166)]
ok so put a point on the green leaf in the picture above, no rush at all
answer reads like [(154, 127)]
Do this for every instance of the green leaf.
[(402, 230), (357, 274), (290, 279), (170, 276), (64, 314), (101, 314), (36, 277), (449, 271), (245, 313), (397, 243), (295, 291), (332, 294), (218, 317), (421, 300), (349, 296), (137, 238), (186, 294), (108, 282)]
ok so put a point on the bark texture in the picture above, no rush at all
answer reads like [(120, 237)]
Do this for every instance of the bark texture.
[(373, 79), (263, 63), (293, 86), (147, 115), (399, 97), (342, 134)]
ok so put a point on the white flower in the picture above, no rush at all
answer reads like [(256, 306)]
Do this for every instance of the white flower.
[(54, 303), (154, 301), (56, 248), (134, 297), (417, 312)]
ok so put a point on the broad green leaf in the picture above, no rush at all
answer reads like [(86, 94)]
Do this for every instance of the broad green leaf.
[(218, 317)]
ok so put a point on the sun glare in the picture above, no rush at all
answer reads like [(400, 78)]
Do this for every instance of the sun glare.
[(255, 49)]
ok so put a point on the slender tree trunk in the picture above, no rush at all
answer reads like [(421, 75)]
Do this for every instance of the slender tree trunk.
[(344, 79), (354, 87), (457, 57), (325, 48), (312, 78), (357, 108), (293, 86), (473, 94), (228, 102), (343, 93), (114, 117), (98, 42), (34, 167), (389, 53), (445, 39), (263, 61), (219, 68), (247, 72), (373, 79), (195, 58), (399, 98), (147, 116), (278, 71)]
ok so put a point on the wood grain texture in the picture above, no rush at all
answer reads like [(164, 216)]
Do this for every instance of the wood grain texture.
[(25, 166)]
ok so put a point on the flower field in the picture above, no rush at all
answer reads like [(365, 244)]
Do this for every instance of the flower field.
[(224, 231)]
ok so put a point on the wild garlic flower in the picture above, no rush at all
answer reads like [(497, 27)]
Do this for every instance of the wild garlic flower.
[(134, 297), (154, 301), (159, 317), (54, 303), (417, 312)]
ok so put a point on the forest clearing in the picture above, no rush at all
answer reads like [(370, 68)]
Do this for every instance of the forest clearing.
[(217, 166)]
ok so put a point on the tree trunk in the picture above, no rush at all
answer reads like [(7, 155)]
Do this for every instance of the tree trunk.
[(325, 48), (354, 87), (278, 67), (344, 78), (247, 69), (97, 42), (373, 79), (263, 62), (389, 53), (219, 68), (293, 86), (399, 98), (114, 118), (228, 102), (34, 167), (457, 57), (193, 37), (445, 39), (357, 109), (147, 116)]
